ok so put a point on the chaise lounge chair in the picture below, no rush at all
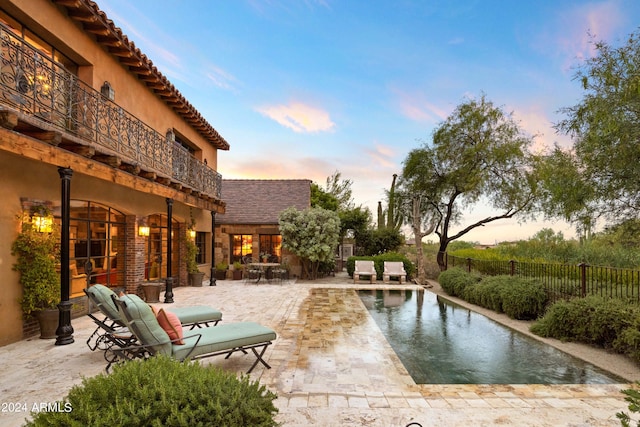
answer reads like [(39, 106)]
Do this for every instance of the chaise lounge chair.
[(205, 342), (364, 268), (112, 331), (394, 269)]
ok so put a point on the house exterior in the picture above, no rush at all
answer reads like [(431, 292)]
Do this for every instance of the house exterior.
[(249, 226), (81, 106)]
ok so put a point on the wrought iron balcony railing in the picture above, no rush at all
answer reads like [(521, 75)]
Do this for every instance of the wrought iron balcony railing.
[(36, 85)]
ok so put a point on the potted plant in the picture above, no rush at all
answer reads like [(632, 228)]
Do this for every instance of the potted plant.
[(195, 275), (221, 270), (37, 255), (237, 270)]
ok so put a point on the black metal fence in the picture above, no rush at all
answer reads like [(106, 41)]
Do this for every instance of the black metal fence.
[(562, 281), (32, 83)]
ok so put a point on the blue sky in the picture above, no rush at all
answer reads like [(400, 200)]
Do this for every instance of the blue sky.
[(304, 88)]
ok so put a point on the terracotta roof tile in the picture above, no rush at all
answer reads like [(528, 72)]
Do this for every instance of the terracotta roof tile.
[(252, 201)]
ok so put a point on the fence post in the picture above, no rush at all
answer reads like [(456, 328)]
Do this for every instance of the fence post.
[(512, 263), (583, 278), (469, 265)]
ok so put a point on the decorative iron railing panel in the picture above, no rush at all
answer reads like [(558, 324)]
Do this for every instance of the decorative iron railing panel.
[(34, 84)]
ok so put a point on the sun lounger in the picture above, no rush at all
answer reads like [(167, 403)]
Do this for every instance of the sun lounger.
[(112, 331), (364, 268), (394, 269), (204, 342)]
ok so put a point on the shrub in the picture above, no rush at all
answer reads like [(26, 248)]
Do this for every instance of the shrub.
[(163, 392), (487, 293), (517, 297), (628, 342), (591, 320), (524, 299), (455, 280), (557, 322)]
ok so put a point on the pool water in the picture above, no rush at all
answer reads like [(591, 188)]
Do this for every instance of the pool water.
[(442, 343)]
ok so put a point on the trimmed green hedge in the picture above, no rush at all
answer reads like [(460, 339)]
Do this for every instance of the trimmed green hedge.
[(163, 392), (517, 297), (378, 262), (603, 322), (455, 280)]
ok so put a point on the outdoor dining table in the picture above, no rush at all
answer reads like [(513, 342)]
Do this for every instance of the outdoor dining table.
[(264, 267)]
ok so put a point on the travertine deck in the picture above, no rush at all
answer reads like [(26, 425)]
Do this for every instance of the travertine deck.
[(331, 366)]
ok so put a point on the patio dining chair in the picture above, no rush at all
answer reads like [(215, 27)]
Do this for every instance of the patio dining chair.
[(281, 273), (252, 272)]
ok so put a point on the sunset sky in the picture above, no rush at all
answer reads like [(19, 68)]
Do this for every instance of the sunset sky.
[(304, 88)]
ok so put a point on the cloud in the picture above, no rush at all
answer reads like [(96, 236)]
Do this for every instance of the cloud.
[(415, 106), (534, 120), (221, 78), (573, 29), (299, 117), (381, 156)]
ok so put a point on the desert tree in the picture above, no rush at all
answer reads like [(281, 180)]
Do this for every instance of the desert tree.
[(478, 154)]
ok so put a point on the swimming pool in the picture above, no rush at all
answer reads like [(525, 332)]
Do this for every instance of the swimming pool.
[(442, 343)]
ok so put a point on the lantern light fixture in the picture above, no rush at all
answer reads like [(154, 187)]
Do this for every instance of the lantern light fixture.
[(42, 224), (107, 91), (143, 228)]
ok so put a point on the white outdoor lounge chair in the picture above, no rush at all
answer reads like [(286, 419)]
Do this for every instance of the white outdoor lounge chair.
[(364, 268), (394, 269)]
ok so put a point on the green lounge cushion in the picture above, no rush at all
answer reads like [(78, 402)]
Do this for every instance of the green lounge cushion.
[(196, 314), (102, 297), (143, 323), (188, 315), (224, 337)]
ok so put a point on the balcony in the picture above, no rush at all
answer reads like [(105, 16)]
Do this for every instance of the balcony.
[(92, 125)]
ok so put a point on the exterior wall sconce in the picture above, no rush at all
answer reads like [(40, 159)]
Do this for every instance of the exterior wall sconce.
[(143, 230), (42, 224), (107, 91)]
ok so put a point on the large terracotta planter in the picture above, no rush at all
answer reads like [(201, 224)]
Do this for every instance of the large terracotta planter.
[(48, 320)]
